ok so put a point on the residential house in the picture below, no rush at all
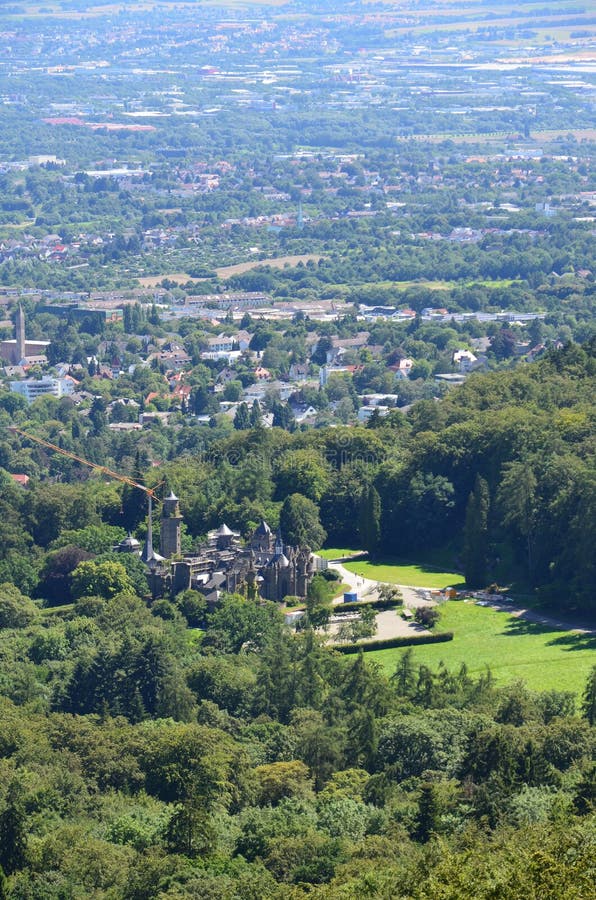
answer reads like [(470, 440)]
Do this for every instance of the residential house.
[(304, 413), (325, 372), (464, 360), (150, 418), (380, 399), (174, 359), (223, 343), (402, 367), (433, 312), (254, 392), (340, 345), (182, 393), (298, 371), (20, 478), (243, 339), (226, 375)]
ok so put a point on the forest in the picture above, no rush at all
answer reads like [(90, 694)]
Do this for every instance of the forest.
[(168, 749)]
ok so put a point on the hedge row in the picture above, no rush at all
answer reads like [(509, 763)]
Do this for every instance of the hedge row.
[(362, 604), (438, 638)]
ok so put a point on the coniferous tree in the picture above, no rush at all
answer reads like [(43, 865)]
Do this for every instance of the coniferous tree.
[(283, 417), (370, 520), (476, 535), (242, 418), (584, 800), (134, 501), (428, 813), (13, 832), (256, 414), (97, 415), (404, 677), (589, 698), (519, 502)]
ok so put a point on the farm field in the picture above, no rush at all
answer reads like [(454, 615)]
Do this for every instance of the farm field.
[(477, 137), (544, 657), (277, 262), (224, 272), (151, 281)]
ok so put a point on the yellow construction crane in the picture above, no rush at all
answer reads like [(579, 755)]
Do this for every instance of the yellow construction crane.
[(150, 492), (85, 462)]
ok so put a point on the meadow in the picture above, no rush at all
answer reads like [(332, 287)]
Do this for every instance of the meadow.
[(544, 657), (413, 574)]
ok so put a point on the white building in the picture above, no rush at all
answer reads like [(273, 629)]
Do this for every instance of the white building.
[(325, 372), (380, 399), (464, 360), (223, 343), (365, 412), (33, 387)]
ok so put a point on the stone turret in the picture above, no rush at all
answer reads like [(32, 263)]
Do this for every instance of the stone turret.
[(171, 526)]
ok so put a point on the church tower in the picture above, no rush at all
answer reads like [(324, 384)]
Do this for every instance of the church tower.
[(171, 522), (21, 350)]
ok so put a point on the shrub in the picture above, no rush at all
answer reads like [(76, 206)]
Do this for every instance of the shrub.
[(387, 644), (16, 610), (427, 616)]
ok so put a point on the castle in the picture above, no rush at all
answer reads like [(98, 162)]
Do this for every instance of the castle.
[(262, 567)]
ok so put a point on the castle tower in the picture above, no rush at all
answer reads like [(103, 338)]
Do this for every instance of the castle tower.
[(21, 350), (171, 522), (279, 543), (262, 538)]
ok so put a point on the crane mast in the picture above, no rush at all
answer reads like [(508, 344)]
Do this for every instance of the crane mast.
[(150, 492)]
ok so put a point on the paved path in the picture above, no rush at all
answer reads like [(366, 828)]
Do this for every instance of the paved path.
[(389, 622), (367, 590), (389, 625), (364, 587)]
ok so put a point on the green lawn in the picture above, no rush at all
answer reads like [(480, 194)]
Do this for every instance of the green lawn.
[(544, 657), (414, 574), (337, 552)]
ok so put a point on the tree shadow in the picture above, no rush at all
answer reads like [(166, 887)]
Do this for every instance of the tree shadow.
[(575, 641), (567, 640), (518, 626)]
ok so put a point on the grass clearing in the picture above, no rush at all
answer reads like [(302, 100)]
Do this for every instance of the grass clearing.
[(337, 552), (277, 262), (545, 658), (223, 272), (373, 286), (413, 574), (152, 281)]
